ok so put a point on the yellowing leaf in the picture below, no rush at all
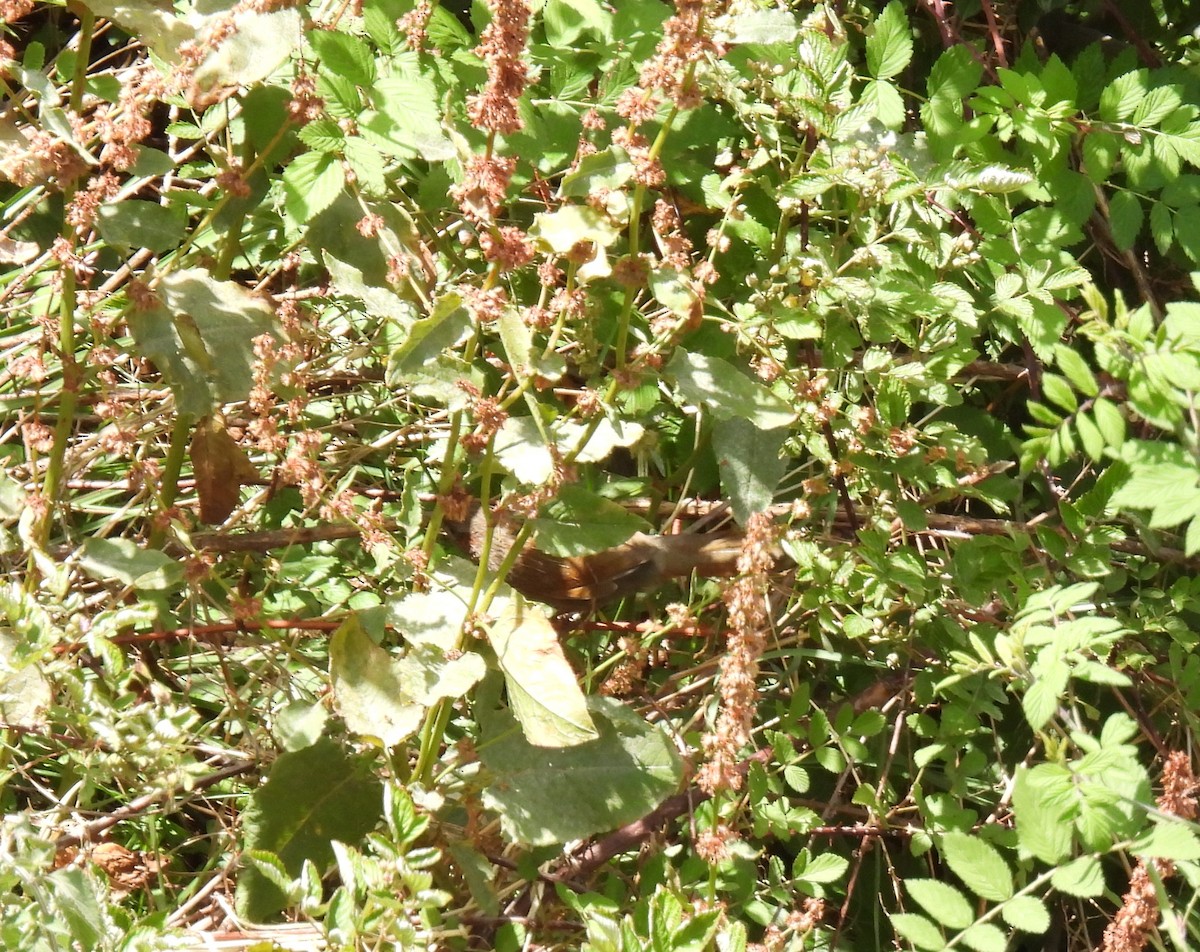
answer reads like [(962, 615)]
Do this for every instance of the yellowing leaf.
[(542, 687)]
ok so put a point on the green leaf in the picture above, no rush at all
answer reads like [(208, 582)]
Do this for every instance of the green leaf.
[(1059, 392), (124, 561), (1076, 370), (985, 937), (943, 902), (887, 102), (1100, 151), (1090, 437), (75, 899), (726, 391), (567, 20), (409, 120), (1083, 877), (201, 337), (259, 46), (1110, 421), (1168, 490), (578, 522), (1168, 839), (310, 184), (552, 796), (978, 864), (762, 26), (447, 325), (919, 931), (344, 55), (750, 464), (825, 868), (1162, 228), (1125, 216), (153, 23), (560, 231), (1045, 805), (1121, 97), (25, 691), (1042, 698), (368, 166), (889, 42), (139, 224), (323, 135), (368, 686), (1027, 913), (542, 687), (311, 798), (521, 448)]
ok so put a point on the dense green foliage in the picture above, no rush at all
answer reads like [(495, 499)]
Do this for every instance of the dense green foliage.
[(285, 287)]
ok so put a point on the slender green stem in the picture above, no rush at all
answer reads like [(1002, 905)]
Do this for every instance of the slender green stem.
[(169, 485), (68, 303)]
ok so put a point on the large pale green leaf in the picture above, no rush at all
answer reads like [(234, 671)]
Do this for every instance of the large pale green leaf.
[(718, 386), (154, 22), (368, 686), (542, 687), (201, 338), (24, 690), (124, 561), (978, 864), (750, 464), (551, 796), (262, 43), (578, 522), (761, 26), (409, 120), (134, 223), (313, 796)]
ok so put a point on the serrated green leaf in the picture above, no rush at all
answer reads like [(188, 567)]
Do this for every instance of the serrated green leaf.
[(324, 135), (1162, 228), (979, 865), (1059, 392), (546, 796), (311, 182), (1090, 437), (726, 391), (919, 931), (368, 166), (1083, 877), (1042, 698), (1121, 97), (1076, 370), (344, 55), (889, 42), (1110, 422), (1168, 839), (942, 902), (1125, 217), (985, 937), (1027, 913)]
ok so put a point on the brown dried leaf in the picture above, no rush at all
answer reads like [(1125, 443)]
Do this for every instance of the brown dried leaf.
[(222, 468)]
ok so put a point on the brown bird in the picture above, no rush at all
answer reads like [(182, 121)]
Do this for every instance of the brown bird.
[(575, 583)]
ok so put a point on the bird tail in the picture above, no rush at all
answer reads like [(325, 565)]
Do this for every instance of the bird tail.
[(707, 554)]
